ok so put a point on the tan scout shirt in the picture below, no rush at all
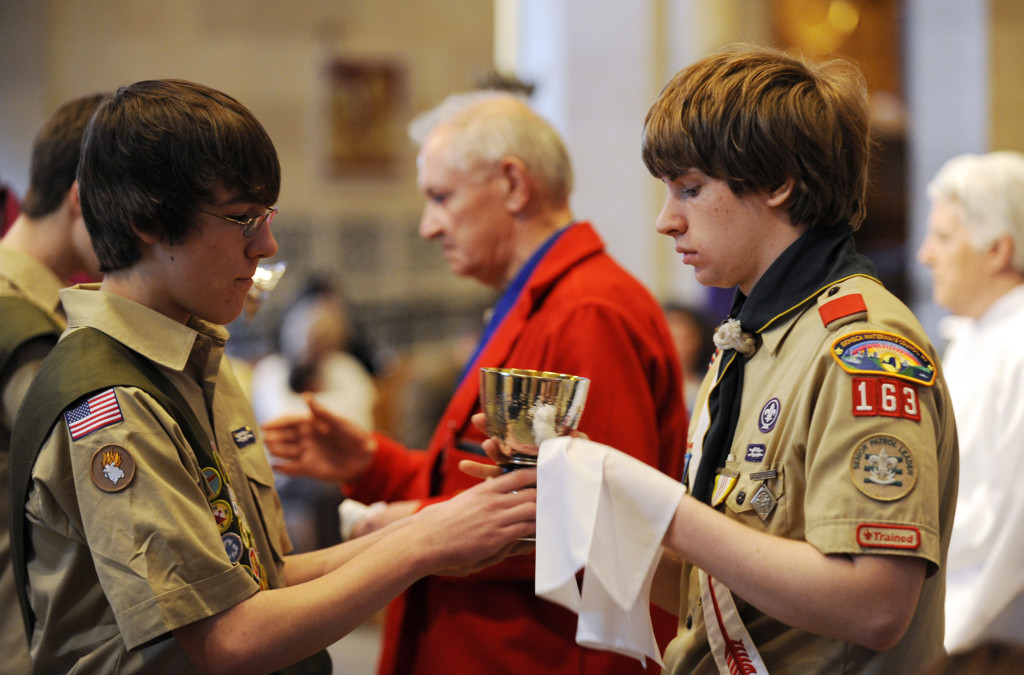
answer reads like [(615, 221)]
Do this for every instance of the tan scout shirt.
[(113, 572), (818, 426), (23, 276)]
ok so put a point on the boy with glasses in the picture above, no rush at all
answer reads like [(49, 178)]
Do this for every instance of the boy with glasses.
[(146, 524)]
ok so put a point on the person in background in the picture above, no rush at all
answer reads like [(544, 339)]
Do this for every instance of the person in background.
[(497, 179), (139, 478), (9, 207), (975, 250), (692, 334), (46, 245), (313, 357)]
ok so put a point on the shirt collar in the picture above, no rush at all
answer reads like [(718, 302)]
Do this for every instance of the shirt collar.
[(146, 331)]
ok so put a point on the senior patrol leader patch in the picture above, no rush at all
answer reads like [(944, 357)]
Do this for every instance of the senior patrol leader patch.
[(880, 353), (112, 468), (882, 467)]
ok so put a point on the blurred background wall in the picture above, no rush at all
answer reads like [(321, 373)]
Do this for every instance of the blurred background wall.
[(336, 81)]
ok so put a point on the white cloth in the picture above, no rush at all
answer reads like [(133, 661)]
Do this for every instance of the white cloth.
[(351, 513), (601, 509), (984, 368)]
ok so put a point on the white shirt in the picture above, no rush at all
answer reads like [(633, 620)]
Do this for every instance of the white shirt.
[(984, 368)]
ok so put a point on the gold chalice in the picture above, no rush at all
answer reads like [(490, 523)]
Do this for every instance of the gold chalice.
[(526, 407)]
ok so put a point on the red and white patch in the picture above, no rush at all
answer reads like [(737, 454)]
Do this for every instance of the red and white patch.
[(876, 535), (885, 396)]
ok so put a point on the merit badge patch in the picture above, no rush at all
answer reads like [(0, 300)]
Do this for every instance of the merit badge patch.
[(222, 513), (213, 482), (882, 467), (243, 436), (112, 468), (877, 535), (769, 415), (97, 411), (879, 353), (232, 546)]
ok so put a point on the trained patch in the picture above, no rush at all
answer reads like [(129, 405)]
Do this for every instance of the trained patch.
[(876, 535), (885, 396), (882, 467), (98, 411), (879, 353), (112, 468)]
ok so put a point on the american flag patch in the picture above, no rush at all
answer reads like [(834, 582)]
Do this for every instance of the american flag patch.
[(94, 413)]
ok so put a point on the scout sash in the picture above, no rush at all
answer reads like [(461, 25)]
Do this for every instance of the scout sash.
[(734, 651), (23, 321)]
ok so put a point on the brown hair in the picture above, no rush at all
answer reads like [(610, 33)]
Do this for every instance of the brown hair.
[(755, 117)]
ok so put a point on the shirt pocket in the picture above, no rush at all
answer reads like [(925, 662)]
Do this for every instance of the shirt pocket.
[(758, 496), (260, 477)]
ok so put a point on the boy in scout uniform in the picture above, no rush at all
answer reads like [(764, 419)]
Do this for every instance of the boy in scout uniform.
[(145, 523), (823, 457), (46, 246)]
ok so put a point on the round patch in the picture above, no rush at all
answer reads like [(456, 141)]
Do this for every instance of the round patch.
[(882, 467), (222, 514), (232, 546), (769, 415), (112, 468), (213, 482)]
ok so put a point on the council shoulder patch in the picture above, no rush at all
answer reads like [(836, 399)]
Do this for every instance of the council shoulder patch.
[(881, 353), (112, 468), (882, 467)]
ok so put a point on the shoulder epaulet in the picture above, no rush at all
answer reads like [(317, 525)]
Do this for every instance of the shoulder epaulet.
[(838, 306)]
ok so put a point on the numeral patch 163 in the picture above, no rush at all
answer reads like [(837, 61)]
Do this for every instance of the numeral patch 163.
[(885, 396)]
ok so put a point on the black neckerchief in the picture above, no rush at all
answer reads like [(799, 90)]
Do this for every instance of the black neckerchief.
[(820, 257)]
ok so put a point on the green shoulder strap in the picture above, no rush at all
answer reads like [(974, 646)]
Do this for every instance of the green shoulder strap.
[(23, 321), (61, 381)]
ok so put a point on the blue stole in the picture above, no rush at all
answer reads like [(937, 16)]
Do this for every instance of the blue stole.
[(508, 298)]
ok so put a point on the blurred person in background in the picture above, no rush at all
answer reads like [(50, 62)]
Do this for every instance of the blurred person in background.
[(975, 251), (497, 179), (314, 357), (45, 246), (693, 334)]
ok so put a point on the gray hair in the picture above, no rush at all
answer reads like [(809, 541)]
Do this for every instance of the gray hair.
[(490, 125), (990, 190)]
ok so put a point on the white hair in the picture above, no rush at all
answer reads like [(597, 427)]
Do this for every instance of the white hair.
[(990, 190), (489, 125)]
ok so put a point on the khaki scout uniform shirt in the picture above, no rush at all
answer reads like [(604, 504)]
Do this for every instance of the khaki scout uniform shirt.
[(112, 573), (805, 417), (23, 276)]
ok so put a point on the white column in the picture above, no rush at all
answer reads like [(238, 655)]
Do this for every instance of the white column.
[(947, 99), (593, 64)]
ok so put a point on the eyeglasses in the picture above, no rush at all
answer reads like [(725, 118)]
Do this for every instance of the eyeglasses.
[(249, 225)]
